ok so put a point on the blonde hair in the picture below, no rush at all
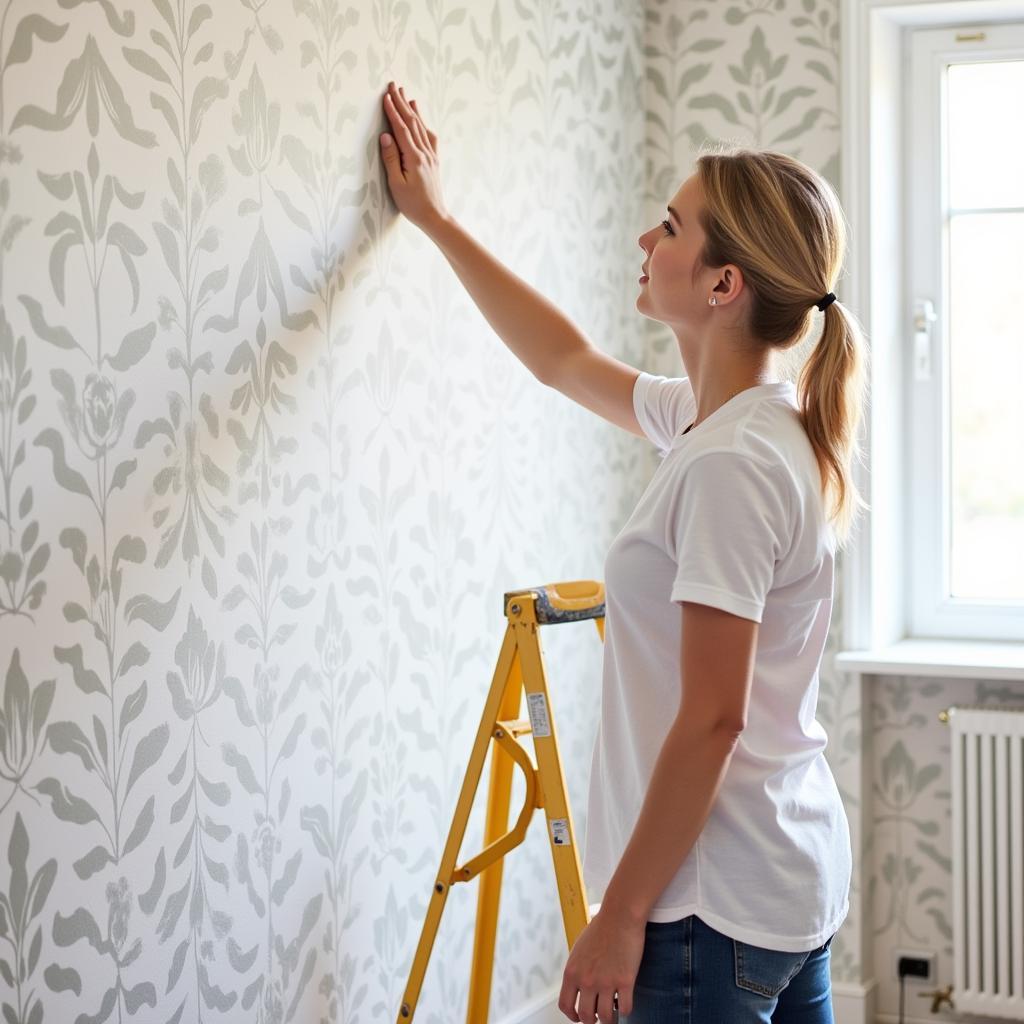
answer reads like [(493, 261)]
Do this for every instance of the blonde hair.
[(781, 223)]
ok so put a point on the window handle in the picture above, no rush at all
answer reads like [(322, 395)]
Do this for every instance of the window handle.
[(924, 316)]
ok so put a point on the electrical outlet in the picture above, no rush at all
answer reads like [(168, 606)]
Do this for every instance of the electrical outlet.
[(925, 958)]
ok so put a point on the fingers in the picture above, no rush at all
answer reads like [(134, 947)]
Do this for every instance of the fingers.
[(412, 119), (428, 137), (398, 126), (567, 1000), (594, 1007), (430, 134), (597, 1007), (402, 113)]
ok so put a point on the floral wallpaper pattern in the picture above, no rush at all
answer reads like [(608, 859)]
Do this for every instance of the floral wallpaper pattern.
[(265, 480), (266, 473)]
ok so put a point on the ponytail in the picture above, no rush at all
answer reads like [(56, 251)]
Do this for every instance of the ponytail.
[(830, 389)]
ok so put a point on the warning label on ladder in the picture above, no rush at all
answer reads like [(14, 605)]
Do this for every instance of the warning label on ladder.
[(538, 708), (560, 832)]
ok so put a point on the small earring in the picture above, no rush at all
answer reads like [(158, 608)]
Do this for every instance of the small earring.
[(712, 301)]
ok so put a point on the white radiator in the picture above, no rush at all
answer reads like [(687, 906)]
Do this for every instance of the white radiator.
[(987, 753)]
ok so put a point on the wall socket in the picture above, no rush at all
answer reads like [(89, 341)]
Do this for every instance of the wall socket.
[(927, 957)]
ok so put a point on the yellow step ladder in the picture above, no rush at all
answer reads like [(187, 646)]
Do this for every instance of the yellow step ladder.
[(520, 667)]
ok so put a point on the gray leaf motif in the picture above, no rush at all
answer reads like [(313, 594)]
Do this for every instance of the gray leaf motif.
[(85, 679), (290, 956), (142, 827), (758, 76), (129, 245), (34, 25), (736, 14), (208, 90), (87, 80), (22, 904), (153, 612), (260, 272), (80, 925), (22, 562), (22, 718), (68, 478), (59, 336), (234, 758), (123, 26), (257, 123), (67, 806), (129, 549), (147, 64), (68, 738), (901, 779), (147, 753), (91, 226)]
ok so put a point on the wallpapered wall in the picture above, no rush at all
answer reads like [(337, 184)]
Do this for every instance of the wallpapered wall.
[(267, 473)]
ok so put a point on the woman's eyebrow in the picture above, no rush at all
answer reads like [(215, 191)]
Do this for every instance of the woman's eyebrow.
[(676, 215)]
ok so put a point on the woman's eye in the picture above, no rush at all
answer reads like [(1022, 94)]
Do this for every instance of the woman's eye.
[(668, 227)]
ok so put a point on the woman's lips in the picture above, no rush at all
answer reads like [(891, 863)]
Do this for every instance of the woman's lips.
[(644, 279)]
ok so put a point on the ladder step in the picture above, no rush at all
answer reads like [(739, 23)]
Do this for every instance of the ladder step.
[(515, 727)]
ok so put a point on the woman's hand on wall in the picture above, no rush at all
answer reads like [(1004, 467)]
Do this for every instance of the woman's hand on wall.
[(413, 169)]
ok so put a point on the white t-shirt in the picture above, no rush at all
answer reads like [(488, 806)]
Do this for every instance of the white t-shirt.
[(733, 517)]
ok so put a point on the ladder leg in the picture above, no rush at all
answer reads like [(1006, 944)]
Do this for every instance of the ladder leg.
[(499, 796), (561, 834), (457, 832)]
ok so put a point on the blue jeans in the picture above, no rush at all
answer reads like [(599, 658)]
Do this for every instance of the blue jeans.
[(692, 974)]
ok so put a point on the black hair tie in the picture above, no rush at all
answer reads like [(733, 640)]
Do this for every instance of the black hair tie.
[(826, 301)]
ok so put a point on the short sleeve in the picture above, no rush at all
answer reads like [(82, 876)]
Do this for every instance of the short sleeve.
[(730, 527), (663, 407)]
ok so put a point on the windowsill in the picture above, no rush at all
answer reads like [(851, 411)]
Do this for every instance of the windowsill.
[(956, 659)]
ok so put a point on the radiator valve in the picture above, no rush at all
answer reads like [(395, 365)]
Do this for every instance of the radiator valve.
[(940, 996)]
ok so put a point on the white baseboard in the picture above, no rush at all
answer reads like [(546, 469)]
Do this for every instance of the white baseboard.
[(852, 1004), (541, 1009)]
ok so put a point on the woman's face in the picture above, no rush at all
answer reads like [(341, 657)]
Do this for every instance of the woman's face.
[(671, 249)]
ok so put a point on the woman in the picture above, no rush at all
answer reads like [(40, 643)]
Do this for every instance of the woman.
[(716, 834)]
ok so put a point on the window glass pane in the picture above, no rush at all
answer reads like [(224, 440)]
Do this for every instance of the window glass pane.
[(986, 360), (985, 143)]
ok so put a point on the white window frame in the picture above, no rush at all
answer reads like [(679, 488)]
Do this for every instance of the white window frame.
[(931, 611), (874, 97)]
